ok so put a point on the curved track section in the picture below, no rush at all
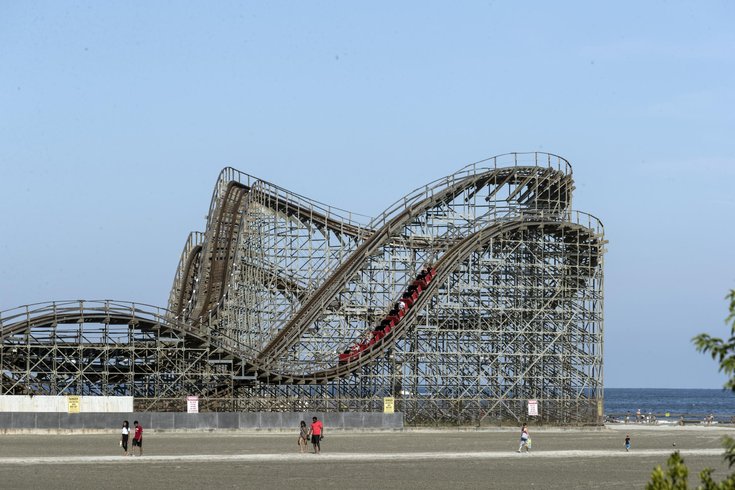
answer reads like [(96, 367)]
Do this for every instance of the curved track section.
[(393, 227), (445, 267), (108, 348)]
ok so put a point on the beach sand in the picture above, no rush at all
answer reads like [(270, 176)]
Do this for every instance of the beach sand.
[(561, 458)]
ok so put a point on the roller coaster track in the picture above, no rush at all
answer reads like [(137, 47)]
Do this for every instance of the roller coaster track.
[(216, 254), (147, 317), (214, 250), (549, 182), (533, 184), (277, 284), (444, 266), (212, 260), (107, 312)]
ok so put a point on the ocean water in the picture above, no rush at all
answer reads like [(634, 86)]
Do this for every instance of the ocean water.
[(691, 402)]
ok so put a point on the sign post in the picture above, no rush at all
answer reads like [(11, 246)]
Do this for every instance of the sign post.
[(388, 404), (192, 404), (533, 408)]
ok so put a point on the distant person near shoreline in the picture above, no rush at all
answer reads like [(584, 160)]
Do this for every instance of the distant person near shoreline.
[(317, 433), (525, 439), (303, 437), (137, 439), (124, 434)]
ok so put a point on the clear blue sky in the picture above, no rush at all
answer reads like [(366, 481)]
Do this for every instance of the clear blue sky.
[(116, 117)]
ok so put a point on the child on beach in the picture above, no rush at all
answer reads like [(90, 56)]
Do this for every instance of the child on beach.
[(627, 442)]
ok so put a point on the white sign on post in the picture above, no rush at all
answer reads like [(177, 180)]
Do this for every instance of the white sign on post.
[(192, 404), (533, 407)]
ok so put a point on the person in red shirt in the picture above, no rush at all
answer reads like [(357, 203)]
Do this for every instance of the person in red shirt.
[(317, 433), (138, 438)]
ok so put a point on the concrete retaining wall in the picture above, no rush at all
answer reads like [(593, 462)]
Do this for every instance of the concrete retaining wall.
[(32, 421), (26, 403)]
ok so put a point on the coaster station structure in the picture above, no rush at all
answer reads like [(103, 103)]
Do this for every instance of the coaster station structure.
[(287, 304)]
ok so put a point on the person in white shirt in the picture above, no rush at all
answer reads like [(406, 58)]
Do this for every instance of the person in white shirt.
[(124, 437)]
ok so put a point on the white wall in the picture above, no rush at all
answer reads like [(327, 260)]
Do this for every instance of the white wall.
[(26, 403)]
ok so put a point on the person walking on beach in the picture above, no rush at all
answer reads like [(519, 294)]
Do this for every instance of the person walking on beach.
[(303, 437), (525, 438), (138, 438), (317, 433), (124, 437), (627, 442)]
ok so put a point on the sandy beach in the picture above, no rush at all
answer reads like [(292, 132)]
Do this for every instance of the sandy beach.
[(561, 458)]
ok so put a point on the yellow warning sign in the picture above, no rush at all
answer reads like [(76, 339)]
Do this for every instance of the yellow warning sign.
[(74, 404), (389, 404)]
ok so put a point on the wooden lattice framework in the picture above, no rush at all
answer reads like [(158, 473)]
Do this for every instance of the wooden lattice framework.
[(278, 285)]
